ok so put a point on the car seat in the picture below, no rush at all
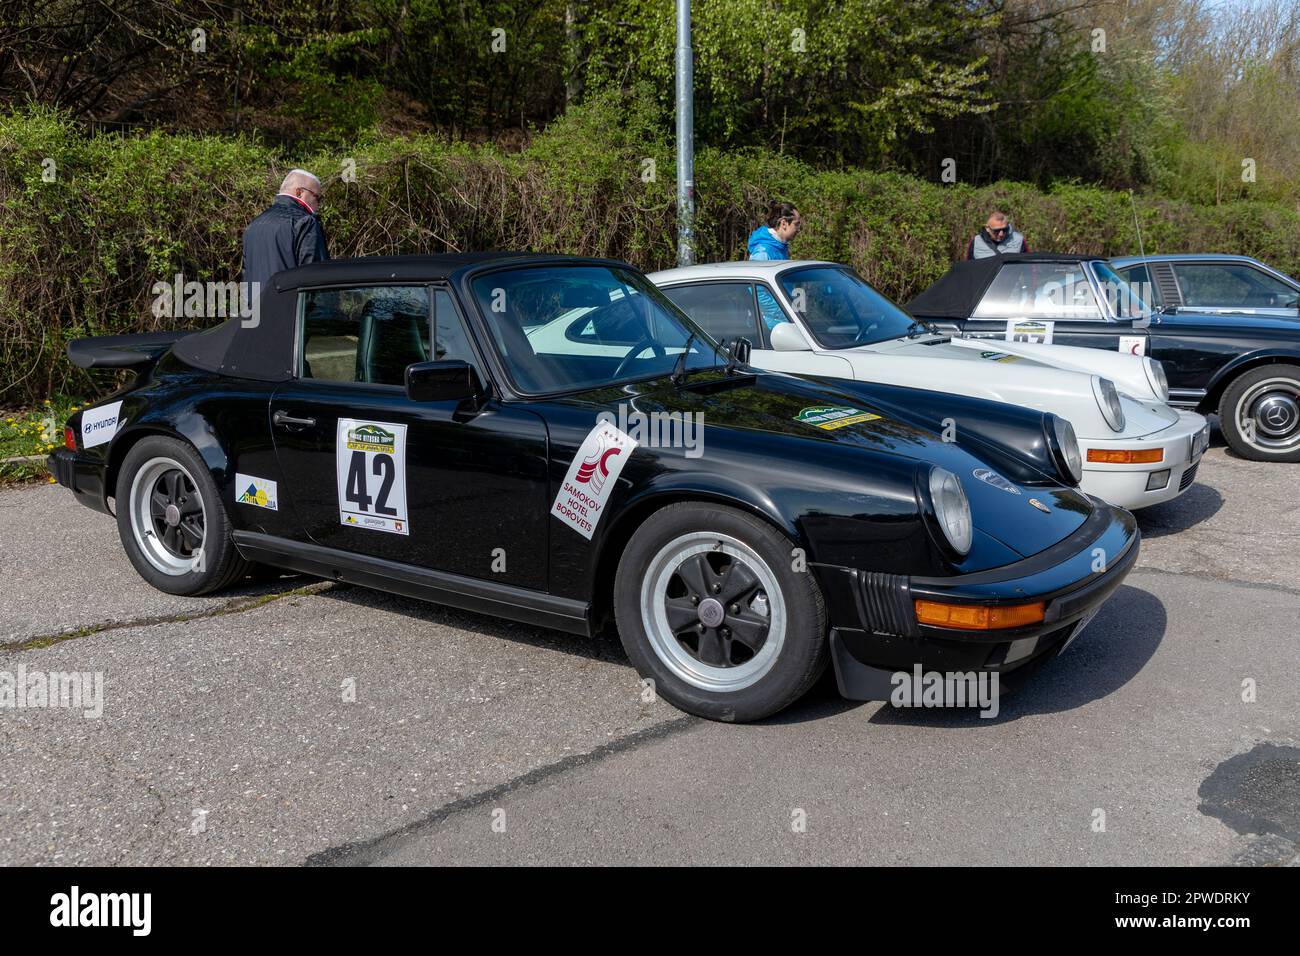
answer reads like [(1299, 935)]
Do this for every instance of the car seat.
[(388, 345)]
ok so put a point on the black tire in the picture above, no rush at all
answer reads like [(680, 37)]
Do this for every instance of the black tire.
[(782, 673), (175, 546), (1259, 413)]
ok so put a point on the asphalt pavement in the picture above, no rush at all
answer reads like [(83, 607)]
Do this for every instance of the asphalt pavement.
[(297, 721)]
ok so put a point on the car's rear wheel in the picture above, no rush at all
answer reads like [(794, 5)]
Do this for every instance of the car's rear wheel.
[(709, 606), (1260, 413), (171, 520)]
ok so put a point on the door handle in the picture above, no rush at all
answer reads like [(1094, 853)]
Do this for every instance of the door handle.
[(280, 418)]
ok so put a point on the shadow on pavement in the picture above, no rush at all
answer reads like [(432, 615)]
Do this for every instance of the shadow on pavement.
[(1116, 646), (1113, 650), (600, 647), (1192, 507)]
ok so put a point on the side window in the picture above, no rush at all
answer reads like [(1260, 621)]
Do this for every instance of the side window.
[(1041, 290), (723, 309), (1140, 281), (364, 335), (1139, 285), (451, 339), (771, 311), (1231, 286)]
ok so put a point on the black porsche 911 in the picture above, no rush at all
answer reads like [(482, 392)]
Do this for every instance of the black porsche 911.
[(444, 427)]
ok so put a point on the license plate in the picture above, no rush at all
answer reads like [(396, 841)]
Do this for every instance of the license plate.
[(1078, 629), (1200, 443)]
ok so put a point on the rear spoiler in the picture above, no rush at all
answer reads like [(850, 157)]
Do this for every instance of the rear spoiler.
[(122, 351)]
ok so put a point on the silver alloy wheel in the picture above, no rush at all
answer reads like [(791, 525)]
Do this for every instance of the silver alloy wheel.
[(713, 611), (1268, 414), (166, 516)]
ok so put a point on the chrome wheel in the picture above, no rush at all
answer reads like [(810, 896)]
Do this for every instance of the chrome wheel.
[(713, 611), (166, 516), (1268, 414)]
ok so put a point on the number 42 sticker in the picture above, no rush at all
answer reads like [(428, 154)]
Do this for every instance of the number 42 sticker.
[(370, 461)]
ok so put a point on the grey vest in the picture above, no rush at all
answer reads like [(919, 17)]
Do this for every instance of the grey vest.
[(1014, 242)]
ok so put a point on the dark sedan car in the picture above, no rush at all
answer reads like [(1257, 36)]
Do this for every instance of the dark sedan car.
[(1245, 367), (1211, 284), (393, 423)]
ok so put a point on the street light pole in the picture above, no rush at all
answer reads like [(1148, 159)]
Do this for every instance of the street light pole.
[(685, 138)]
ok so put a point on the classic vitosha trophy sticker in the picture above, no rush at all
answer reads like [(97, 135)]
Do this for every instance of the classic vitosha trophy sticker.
[(370, 461)]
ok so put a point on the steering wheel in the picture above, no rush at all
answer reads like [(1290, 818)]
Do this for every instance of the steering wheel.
[(864, 330), (637, 349)]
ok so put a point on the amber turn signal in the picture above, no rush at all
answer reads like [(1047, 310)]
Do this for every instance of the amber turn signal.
[(970, 617), (1116, 456)]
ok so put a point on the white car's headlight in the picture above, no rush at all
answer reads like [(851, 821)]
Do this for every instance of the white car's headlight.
[(1156, 376), (1108, 401), (1065, 448), (951, 508)]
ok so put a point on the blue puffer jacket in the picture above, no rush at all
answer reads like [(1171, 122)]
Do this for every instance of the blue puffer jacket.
[(764, 245)]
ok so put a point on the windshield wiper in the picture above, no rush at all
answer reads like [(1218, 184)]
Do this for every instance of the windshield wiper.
[(917, 327), (679, 367)]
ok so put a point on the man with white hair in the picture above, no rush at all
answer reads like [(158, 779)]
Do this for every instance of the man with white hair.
[(288, 234)]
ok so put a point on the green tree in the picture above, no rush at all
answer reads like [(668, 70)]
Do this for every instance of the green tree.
[(833, 80)]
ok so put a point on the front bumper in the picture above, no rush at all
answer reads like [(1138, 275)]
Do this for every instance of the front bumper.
[(84, 477), (875, 634), (1130, 486)]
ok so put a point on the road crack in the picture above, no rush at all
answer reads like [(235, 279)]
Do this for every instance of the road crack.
[(375, 849), (235, 606)]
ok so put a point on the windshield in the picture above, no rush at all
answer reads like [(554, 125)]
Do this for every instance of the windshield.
[(840, 309), (561, 327), (1127, 300)]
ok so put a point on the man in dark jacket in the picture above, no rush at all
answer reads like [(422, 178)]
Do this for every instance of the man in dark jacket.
[(288, 234), (997, 238)]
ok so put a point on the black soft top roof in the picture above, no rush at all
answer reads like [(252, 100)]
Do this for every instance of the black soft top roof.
[(369, 269), (265, 351), (956, 293)]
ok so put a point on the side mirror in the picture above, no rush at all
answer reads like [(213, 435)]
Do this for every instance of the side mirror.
[(453, 380), (738, 351), (786, 337)]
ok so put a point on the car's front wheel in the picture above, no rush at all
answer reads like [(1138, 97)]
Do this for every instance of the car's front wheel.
[(1260, 413), (710, 605), (171, 520)]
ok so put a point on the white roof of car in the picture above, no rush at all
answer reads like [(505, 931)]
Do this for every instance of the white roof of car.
[(745, 269)]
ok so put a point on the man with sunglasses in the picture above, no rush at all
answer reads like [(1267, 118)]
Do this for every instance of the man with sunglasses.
[(998, 237), (288, 234)]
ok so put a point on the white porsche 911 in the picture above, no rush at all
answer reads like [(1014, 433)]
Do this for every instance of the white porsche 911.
[(821, 318)]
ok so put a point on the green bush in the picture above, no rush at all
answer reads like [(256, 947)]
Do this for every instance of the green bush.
[(79, 254)]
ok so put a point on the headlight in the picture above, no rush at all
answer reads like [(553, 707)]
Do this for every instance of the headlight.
[(1065, 449), (1156, 376), (951, 508), (1103, 389)]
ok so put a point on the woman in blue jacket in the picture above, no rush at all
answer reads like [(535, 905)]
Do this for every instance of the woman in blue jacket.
[(772, 241)]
